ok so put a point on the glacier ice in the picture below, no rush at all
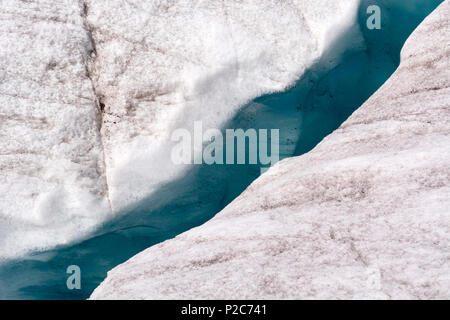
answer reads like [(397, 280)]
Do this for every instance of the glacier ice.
[(147, 68)]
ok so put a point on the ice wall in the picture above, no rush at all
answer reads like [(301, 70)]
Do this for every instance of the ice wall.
[(52, 175), (364, 215)]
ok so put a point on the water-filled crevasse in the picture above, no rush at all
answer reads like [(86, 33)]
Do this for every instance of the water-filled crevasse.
[(319, 102)]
